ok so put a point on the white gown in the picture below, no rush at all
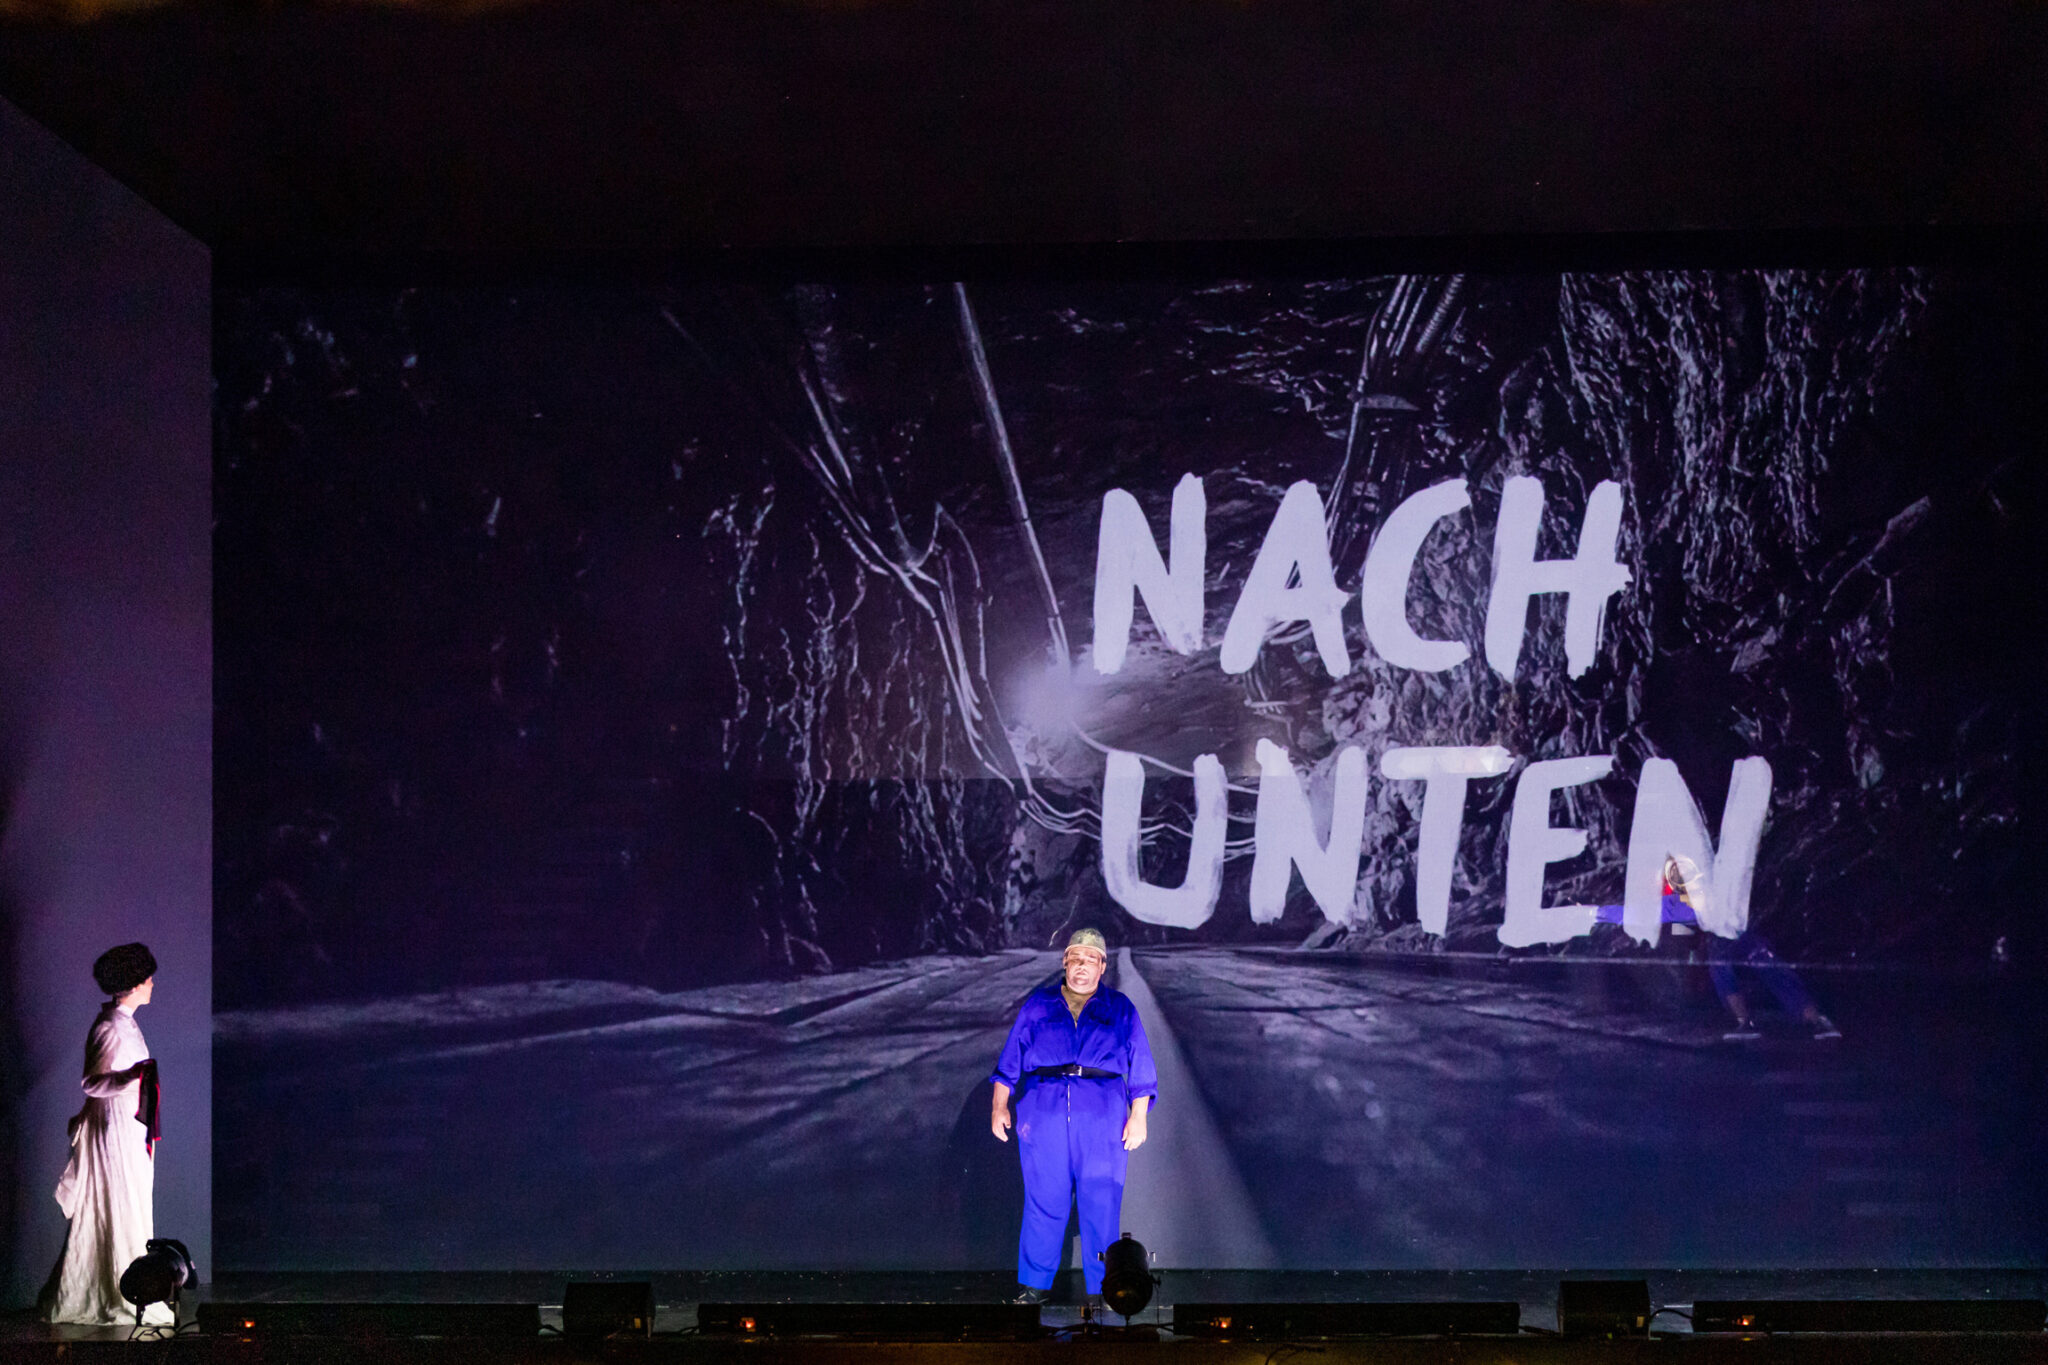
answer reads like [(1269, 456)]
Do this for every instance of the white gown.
[(108, 1191)]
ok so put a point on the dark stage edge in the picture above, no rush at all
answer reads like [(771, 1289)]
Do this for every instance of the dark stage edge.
[(677, 1295)]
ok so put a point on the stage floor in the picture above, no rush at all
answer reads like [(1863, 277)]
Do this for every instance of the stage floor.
[(678, 1293)]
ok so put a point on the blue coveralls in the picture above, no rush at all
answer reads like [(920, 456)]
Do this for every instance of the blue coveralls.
[(1748, 949), (1070, 1128)]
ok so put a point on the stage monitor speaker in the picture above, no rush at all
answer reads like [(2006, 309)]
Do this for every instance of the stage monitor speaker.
[(1869, 1315), (1325, 1321), (886, 1321), (1603, 1308), (370, 1319), (607, 1308)]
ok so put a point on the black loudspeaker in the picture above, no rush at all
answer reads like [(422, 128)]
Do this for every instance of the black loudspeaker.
[(1603, 1308), (370, 1319), (1869, 1315), (885, 1321), (607, 1308), (1326, 1321)]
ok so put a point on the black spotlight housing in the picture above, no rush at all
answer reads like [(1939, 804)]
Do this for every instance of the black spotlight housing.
[(1127, 1276), (159, 1274)]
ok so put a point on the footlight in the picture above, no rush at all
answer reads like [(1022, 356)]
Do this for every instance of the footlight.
[(158, 1275), (1127, 1276)]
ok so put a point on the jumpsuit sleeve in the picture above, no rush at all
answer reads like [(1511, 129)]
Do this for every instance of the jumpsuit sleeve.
[(1675, 911), (1141, 1077), (1010, 1064), (103, 1079)]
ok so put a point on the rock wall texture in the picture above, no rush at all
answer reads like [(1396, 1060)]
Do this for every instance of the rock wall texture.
[(688, 632)]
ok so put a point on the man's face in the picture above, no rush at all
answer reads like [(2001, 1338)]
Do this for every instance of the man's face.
[(1084, 969)]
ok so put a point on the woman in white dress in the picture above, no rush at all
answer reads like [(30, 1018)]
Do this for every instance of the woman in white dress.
[(108, 1190)]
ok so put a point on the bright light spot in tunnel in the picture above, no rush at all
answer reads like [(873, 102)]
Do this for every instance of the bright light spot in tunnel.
[(1052, 699)]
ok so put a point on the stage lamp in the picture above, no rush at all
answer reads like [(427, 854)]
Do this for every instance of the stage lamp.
[(158, 1274), (1127, 1276)]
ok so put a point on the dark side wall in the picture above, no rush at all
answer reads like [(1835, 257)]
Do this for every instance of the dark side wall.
[(105, 669)]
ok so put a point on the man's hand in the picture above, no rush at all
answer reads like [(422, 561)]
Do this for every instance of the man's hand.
[(999, 1113), (1134, 1126)]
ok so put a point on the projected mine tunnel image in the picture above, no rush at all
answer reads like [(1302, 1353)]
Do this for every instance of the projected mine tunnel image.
[(1544, 751), (1342, 1113)]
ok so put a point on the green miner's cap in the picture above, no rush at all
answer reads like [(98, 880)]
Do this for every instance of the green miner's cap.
[(1088, 938)]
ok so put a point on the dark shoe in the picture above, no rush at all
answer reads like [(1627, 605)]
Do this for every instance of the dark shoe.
[(1026, 1294), (1745, 1031), (1824, 1030)]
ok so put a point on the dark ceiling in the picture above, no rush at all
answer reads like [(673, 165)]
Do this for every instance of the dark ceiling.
[(601, 124)]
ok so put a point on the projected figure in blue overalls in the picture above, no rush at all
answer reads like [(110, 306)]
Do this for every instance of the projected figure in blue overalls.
[(1747, 950), (1083, 1076)]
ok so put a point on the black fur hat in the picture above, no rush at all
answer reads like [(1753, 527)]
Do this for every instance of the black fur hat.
[(122, 969)]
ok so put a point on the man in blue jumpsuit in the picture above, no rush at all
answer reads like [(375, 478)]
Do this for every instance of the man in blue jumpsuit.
[(1082, 1072)]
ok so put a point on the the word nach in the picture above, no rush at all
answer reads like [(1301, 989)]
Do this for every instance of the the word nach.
[(1292, 580)]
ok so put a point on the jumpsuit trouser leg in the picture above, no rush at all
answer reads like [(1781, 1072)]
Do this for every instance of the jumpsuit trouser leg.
[(1751, 952), (1070, 1142), (1096, 1139)]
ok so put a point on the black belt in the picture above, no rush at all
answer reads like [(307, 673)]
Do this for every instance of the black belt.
[(1086, 1073)]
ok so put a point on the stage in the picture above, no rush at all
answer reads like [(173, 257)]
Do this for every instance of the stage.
[(1540, 755), (678, 1295)]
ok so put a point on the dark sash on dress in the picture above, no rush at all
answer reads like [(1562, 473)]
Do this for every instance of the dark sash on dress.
[(150, 1112)]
